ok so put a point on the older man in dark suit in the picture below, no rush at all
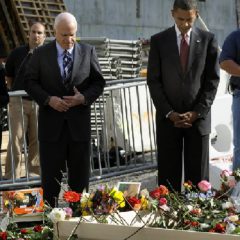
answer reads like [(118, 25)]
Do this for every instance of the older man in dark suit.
[(183, 80), (64, 79)]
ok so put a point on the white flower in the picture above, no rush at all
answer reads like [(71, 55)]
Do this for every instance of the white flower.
[(230, 228), (57, 214), (233, 218), (190, 207), (227, 205), (204, 225), (84, 197), (144, 193)]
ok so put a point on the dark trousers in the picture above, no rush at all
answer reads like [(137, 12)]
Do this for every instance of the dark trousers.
[(175, 146), (55, 156)]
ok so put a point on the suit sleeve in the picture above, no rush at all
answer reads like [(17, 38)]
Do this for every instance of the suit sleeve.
[(210, 79), (32, 83), (97, 82), (154, 80)]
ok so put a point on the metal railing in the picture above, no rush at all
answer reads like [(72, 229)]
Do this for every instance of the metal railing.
[(123, 133)]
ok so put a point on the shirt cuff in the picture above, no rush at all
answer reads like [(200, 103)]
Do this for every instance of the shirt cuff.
[(168, 114)]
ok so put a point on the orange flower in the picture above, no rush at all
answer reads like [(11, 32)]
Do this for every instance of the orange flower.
[(163, 190), (194, 224), (220, 227), (133, 201), (71, 196)]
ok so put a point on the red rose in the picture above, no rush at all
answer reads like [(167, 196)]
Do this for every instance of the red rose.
[(3, 235), (155, 194), (23, 231), (37, 228), (158, 192), (162, 201), (220, 228), (133, 201), (71, 196), (194, 224)]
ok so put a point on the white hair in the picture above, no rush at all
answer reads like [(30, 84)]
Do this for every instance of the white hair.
[(65, 16)]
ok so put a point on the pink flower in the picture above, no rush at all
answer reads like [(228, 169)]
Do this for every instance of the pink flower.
[(225, 173), (204, 186), (162, 201), (231, 181), (68, 212)]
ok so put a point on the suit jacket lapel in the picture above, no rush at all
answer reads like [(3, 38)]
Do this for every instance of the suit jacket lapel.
[(194, 48), (78, 58), (174, 49)]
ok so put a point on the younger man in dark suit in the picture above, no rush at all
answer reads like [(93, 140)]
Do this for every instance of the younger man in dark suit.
[(183, 80), (64, 78)]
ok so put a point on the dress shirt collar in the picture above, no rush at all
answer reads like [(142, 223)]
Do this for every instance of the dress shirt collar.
[(60, 50), (179, 35)]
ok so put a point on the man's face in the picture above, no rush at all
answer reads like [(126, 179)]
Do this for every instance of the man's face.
[(36, 35), (184, 19), (65, 34)]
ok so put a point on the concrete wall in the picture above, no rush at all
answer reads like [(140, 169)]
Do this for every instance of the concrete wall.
[(133, 19)]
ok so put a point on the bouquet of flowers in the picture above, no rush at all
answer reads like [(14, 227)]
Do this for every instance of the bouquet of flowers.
[(198, 208), (101, 202)]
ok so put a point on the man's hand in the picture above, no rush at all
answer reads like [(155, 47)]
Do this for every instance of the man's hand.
[(174, 117), (179, 120), (183, 120), (58, 104), (190, 116), (76, 99)]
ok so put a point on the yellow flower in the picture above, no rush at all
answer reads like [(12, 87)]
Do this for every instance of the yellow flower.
[(6, 203), (118, 197), (144, 203), (85, 213), (87, 204)]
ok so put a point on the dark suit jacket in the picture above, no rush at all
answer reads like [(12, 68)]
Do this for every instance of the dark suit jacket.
[(4, 97), (44, 79), (195, 90)]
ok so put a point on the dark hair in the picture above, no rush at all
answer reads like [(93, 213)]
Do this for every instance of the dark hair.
[(185, 4)]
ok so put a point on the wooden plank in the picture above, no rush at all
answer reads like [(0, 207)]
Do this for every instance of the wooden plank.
[(4, 41), (16, 21), (43, 11), (8, 22)]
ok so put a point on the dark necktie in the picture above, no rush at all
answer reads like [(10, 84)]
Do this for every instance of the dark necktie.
[(184, 50), (67, 66)]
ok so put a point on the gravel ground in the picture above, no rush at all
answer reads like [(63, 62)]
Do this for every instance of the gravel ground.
[(148, 179)]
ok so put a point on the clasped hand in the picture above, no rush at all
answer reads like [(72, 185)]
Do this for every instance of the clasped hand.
[(183, 120), (63, 104)]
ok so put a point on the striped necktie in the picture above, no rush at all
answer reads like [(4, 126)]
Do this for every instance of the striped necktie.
[(67, 65)]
